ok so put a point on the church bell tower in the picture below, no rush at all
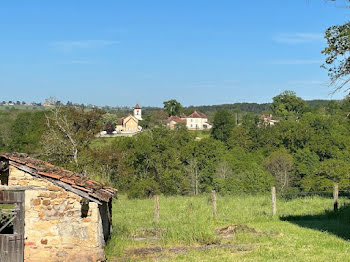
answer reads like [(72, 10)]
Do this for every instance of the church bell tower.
[(138, 112)]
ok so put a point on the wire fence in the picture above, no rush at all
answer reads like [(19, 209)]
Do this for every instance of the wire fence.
[(332, 193)]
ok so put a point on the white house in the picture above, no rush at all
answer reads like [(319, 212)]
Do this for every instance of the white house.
[(195, 121)]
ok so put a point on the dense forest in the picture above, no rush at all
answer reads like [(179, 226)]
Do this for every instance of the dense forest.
[(307, 150)]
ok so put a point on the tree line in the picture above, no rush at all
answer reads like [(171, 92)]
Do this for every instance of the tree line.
[(307, 150)]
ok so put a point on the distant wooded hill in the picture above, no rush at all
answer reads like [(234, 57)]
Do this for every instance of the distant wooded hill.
[(251, 107)]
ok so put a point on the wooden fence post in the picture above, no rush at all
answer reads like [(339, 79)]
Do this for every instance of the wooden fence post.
[(335, 197), (274, 205), (156, 209), (213, 198)]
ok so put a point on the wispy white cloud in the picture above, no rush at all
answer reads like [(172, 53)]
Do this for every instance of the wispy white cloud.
[(298, 62), (82, 44), (297, 38)]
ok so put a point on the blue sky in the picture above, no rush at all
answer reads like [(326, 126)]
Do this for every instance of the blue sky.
[(124, 52)]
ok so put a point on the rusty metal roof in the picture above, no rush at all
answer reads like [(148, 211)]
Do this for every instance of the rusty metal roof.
[(69, 180)]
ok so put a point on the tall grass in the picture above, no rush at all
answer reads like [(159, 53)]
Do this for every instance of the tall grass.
[(188, 221)]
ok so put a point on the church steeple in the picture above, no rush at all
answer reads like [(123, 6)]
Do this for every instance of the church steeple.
[(138, 112)]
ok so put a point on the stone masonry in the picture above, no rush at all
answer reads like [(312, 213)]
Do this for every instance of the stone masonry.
[(54, 227)]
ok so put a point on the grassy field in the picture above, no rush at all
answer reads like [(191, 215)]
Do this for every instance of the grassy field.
[(305, 230)]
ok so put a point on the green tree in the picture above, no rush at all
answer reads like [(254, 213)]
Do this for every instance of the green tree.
[(223, 125), (26, 132), (329, 172), (287, 105), (173, 107), (240, 137), (69, 131), (337, 61), (280, 165), (305, 162)]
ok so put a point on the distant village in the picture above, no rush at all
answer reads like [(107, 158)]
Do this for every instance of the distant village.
[(129, 124)]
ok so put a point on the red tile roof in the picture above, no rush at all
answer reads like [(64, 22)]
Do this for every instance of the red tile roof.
[(58, 175), (137, 106), (120, 121), (176, 119), (263, 116), (197, 114)]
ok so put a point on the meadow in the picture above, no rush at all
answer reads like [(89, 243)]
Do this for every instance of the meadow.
[(305, 229)]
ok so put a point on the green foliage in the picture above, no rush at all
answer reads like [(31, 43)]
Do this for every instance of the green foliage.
[(246, 177), (280, 165), (173, 107), (288, 105), (69, 132), (143, 188), (240, 137), (305, 162), (337, 60), (222, 125), (26, 132), (155, 118), (329, 172)]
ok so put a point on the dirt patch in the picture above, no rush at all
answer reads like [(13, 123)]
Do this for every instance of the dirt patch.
[(145, 234), (146, 251), (231, 230)]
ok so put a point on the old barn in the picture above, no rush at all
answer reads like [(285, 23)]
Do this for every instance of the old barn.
[(51, 214)]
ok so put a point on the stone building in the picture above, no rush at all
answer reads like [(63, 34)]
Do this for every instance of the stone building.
[(128, 125), (60, 215)]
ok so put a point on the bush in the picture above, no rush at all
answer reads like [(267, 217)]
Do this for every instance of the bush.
[(145, 188)]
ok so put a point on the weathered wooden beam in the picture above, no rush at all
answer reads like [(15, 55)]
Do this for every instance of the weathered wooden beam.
[(21, 188)]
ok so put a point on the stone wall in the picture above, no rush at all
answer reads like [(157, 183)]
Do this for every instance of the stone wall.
[(54, 227)]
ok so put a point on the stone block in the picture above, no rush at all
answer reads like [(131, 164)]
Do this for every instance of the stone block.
[(63, 195), (53, 188), (43, 194), (23, 183), (46, 202), (53, 195), (36, 201)]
